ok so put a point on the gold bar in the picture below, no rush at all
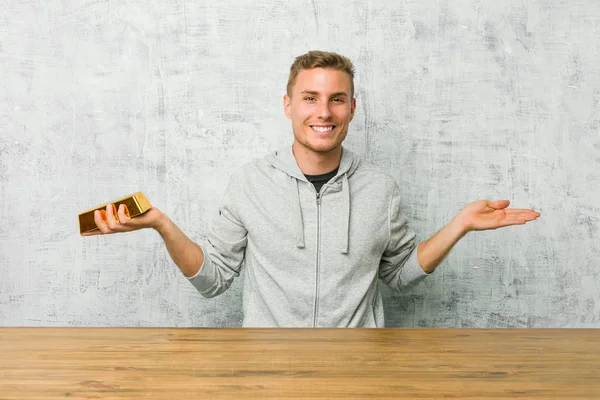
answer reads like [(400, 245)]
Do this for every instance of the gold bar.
[(137, 204)]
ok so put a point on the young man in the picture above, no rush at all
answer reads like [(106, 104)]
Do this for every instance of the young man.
[(315, 227)]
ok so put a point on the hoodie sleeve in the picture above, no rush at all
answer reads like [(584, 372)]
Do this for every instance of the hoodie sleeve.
[(399, 267), (224, 247)]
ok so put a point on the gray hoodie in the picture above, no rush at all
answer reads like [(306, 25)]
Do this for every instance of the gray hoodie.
[(311, 260)]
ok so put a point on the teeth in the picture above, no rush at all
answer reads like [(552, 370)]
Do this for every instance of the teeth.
[(322, 128)]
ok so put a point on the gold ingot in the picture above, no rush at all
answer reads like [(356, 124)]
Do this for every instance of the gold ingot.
[(137, 204)]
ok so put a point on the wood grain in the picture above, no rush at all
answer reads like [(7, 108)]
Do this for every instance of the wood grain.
[(177, 363)]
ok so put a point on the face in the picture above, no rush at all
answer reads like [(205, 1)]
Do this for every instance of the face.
[(321, 108)]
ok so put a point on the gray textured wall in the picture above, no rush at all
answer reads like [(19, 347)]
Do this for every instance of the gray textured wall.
[(459, 100)]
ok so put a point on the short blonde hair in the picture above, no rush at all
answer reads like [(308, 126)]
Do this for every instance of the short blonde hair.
[(320, 59)]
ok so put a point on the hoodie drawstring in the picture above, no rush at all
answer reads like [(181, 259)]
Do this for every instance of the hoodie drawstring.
[(299, 225), (345, 213)]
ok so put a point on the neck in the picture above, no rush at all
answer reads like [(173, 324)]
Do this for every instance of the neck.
[(313, 163)]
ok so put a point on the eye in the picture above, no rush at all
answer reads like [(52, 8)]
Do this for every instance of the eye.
[(309, 98), (338, 100)]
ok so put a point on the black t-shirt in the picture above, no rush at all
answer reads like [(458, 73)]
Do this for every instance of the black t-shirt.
[(319, 180)]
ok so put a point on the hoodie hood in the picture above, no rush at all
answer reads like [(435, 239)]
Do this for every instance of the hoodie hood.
[(285, 161)]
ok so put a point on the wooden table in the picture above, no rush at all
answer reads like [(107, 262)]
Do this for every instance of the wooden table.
[(179, 363)]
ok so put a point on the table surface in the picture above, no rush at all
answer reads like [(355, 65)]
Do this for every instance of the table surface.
[(218, 363)]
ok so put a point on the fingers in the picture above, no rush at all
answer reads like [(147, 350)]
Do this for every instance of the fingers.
[(118, 221), (111, 219), (528, 215), (527, 210), (518, 219), (99, 219), (123, 214), (502, 204)]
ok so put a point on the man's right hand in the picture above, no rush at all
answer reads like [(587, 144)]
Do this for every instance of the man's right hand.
[(186, 254), (108, 222)]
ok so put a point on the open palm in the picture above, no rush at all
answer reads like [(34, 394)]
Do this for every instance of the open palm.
[(485, 214)]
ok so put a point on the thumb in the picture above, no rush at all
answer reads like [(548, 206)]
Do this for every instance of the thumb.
[(499, 204)]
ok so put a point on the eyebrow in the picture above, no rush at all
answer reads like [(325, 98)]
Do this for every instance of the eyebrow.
[(313, 92)]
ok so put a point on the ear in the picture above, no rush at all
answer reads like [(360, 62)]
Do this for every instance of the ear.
[(287, 106), (353, 108)]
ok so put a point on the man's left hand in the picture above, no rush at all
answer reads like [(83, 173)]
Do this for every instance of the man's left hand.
[(484, 214)]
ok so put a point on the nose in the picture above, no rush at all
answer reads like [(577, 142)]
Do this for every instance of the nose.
[(324, 112)]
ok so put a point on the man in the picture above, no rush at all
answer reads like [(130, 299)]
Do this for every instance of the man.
[(316, 228)]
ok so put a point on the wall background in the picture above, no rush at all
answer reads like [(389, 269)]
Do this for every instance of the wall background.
[(460, 101)]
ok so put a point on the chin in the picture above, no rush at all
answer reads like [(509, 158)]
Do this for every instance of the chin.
[(323, 148)]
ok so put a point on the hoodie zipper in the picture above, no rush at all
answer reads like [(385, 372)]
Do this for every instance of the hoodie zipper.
[(318, 259)]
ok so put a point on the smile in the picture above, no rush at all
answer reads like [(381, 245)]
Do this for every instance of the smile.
[(322, 129)]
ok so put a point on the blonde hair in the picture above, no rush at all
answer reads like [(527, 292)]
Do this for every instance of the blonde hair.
[(320, 59)]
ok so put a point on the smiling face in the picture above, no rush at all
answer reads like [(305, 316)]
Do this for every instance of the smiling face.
[(321, 107)]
